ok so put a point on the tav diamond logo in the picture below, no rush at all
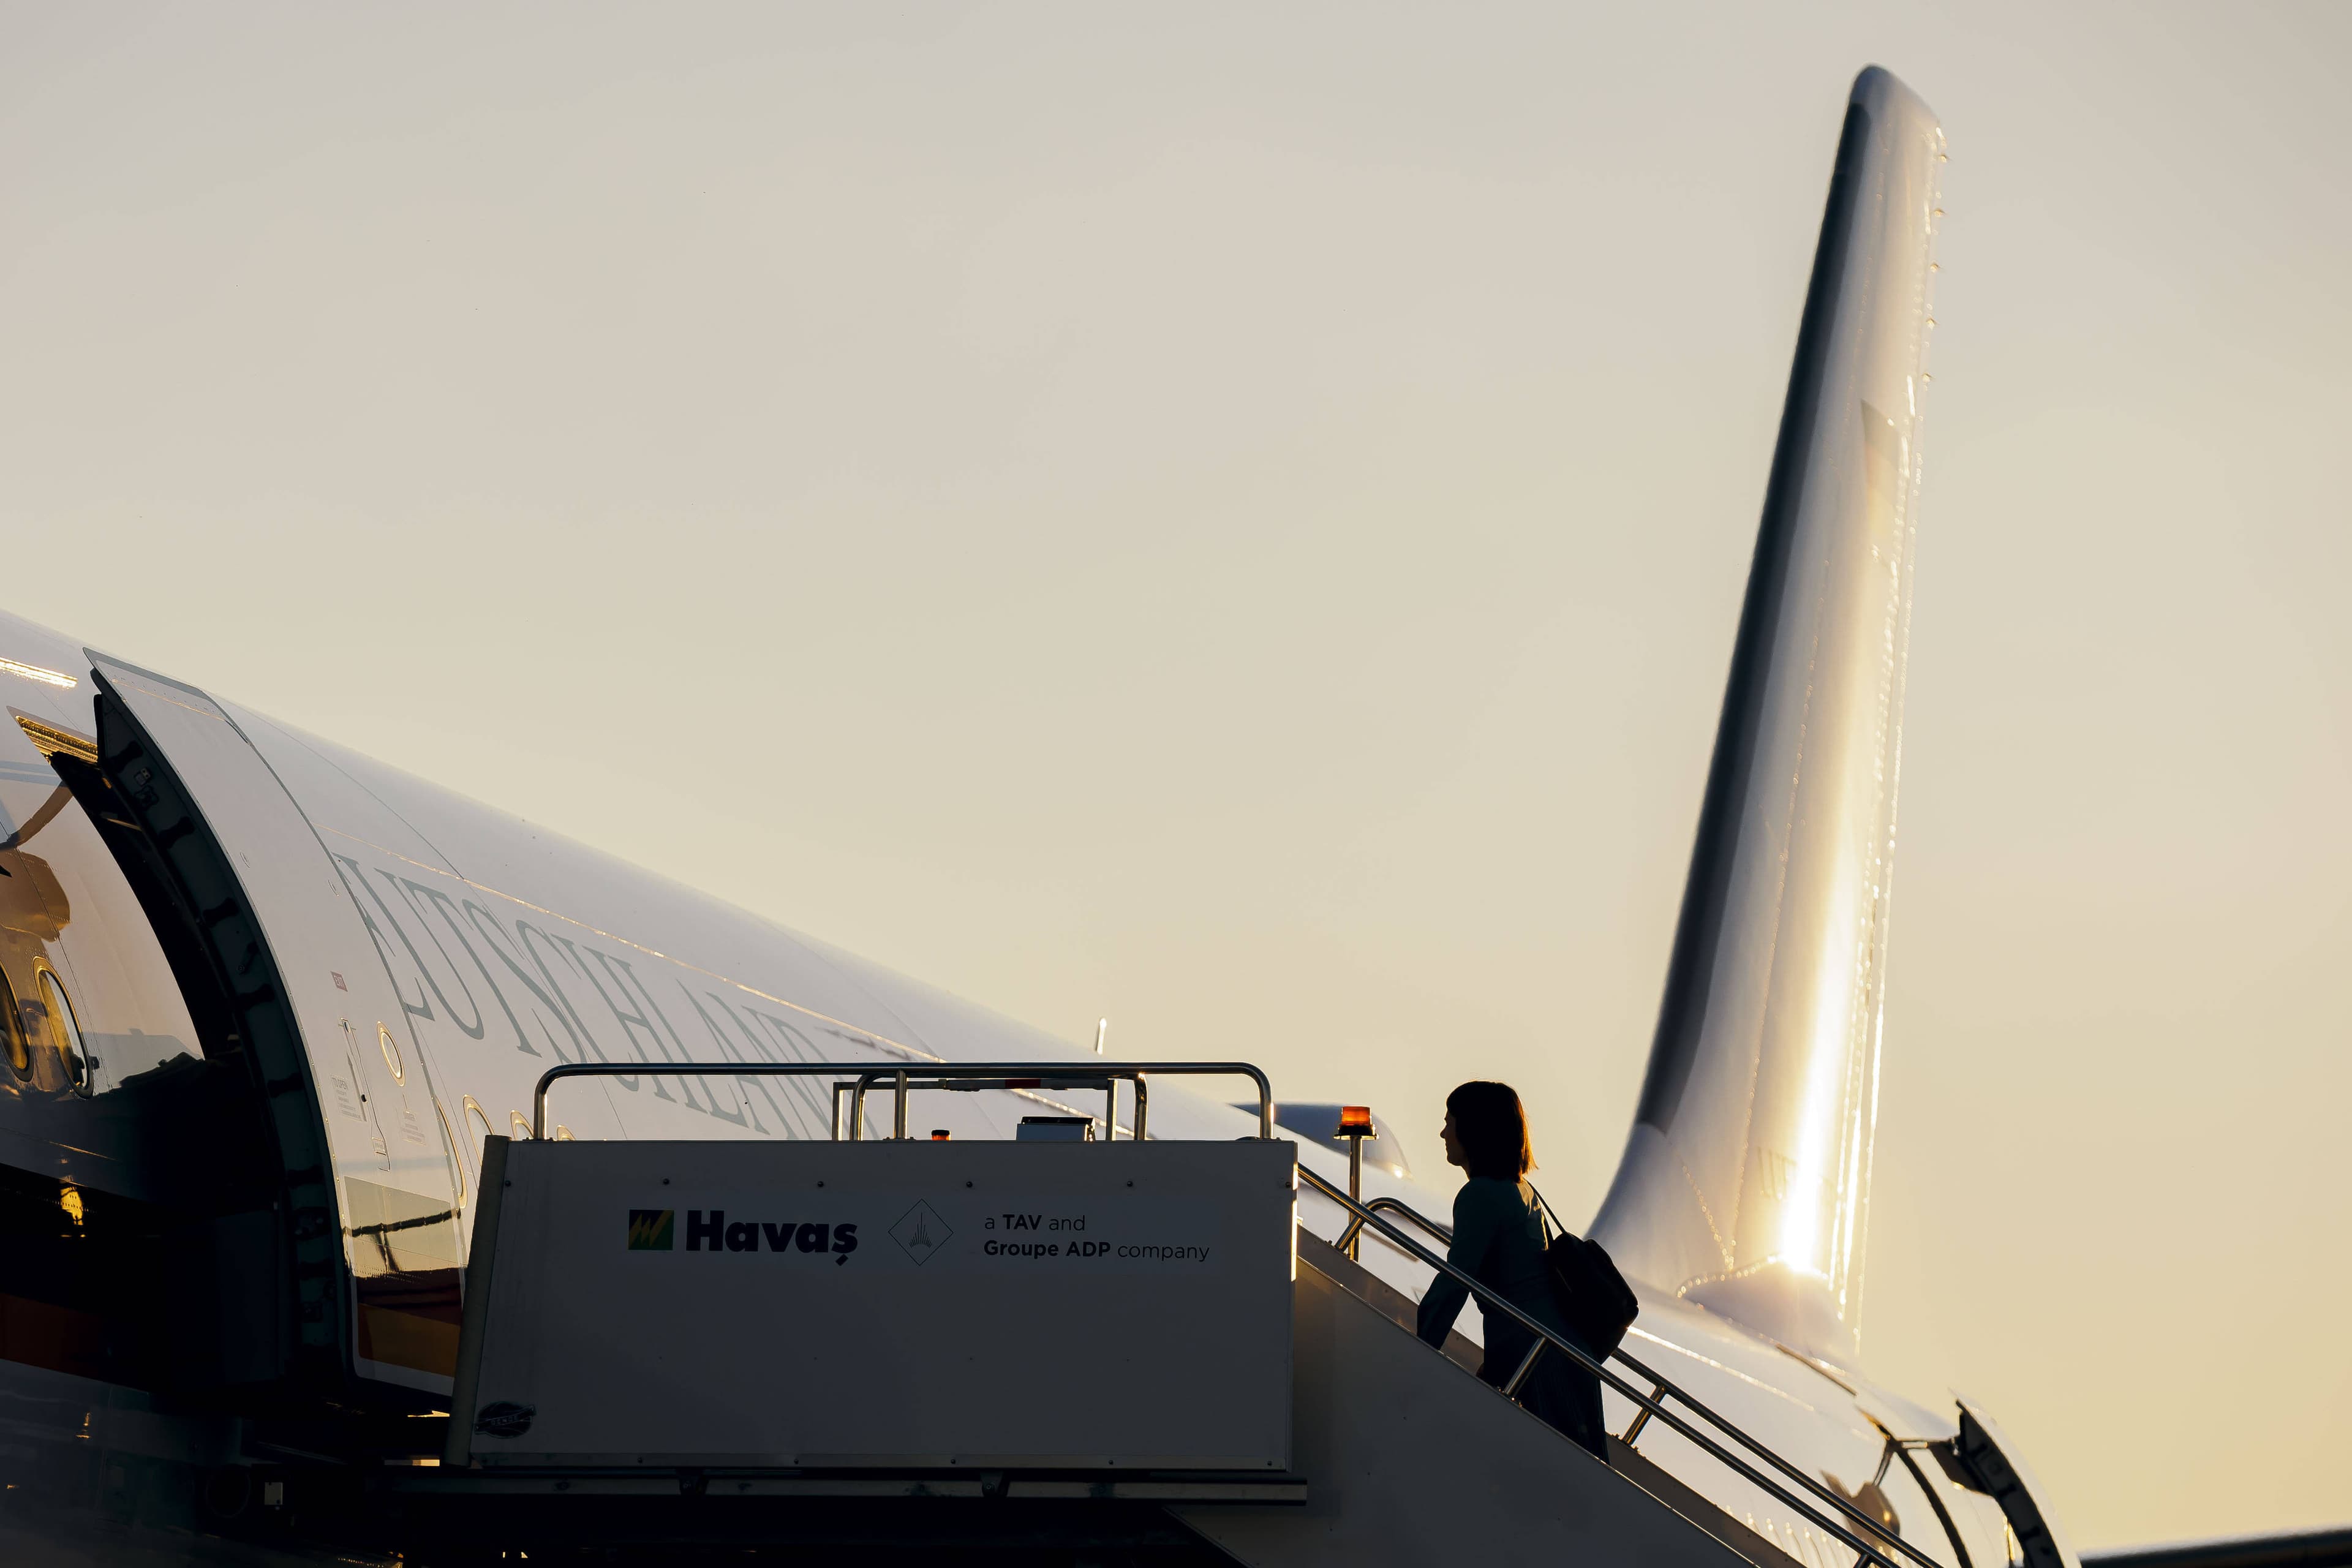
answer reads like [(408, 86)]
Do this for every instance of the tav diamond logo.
[(922, 1232)]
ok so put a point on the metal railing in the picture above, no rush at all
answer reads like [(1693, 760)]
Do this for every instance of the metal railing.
[(976, 1075), (849, 1099), (983, 1076), (1347, 1237), (1652, 1404), (1038, 1076), (1445, 1233)]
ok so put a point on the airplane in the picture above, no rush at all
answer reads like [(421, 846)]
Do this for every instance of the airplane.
[(263, 999)]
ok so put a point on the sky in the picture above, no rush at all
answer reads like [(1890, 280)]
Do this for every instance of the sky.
[(1232, 518)]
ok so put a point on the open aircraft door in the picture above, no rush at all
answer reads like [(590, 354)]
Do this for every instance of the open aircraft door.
[(373, 1190)]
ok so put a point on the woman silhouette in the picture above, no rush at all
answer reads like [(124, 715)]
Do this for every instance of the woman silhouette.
[(1498, 1241)]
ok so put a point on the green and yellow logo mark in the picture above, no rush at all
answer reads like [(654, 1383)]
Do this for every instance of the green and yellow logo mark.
[(652, 1230)]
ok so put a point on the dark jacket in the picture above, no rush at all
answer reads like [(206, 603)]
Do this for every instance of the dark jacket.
[(1498, 1241)]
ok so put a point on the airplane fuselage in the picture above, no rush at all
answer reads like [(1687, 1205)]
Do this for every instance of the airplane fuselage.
[(167, 1336)]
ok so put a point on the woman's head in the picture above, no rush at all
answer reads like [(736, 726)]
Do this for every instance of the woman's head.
[(1488, 1131)]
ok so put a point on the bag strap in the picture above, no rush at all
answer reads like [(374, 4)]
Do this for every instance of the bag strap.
[(1546, 1220)]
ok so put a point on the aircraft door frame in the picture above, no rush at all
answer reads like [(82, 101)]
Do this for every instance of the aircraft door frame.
[(299, 966)]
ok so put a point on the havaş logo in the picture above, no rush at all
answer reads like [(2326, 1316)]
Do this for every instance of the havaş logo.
[(710, 1230)]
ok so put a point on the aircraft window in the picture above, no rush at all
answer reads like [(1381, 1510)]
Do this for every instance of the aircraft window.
[(392, 1055), (65, 1033), (456, 1161), (474, 1112), (12, 1026)]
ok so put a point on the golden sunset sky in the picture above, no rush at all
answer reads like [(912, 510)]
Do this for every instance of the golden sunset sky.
[(1232, 517)]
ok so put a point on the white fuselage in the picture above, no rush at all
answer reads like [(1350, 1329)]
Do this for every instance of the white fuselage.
[(442, 955)]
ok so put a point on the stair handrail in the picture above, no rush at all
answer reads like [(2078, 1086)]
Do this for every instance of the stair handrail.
[(1444, 1233), (1649, 1405)]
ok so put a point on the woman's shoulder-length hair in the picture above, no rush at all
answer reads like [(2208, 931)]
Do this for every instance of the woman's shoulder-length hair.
[(1492, 1127)]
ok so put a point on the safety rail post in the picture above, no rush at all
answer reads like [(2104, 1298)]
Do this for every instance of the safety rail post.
[(1642, 1417), (1527, 1364), (1813, 1512), (1355, 1181)]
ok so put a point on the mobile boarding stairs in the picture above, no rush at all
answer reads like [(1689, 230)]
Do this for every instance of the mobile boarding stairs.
[(1123, 1350)]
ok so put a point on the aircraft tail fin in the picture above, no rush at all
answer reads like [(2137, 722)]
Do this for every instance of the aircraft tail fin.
[(1745, 1184)]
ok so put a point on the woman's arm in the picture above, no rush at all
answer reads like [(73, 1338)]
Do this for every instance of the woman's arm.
[(1474, 1232)]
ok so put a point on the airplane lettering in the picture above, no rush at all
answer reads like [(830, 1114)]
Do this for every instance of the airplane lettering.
[(526, 952), (487, 928), (416, 963), (524, 955), (797, 1047), (628, 977), (524, 932), (403, 885), (420, 1009), (624, 1019), (799, 1125)]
